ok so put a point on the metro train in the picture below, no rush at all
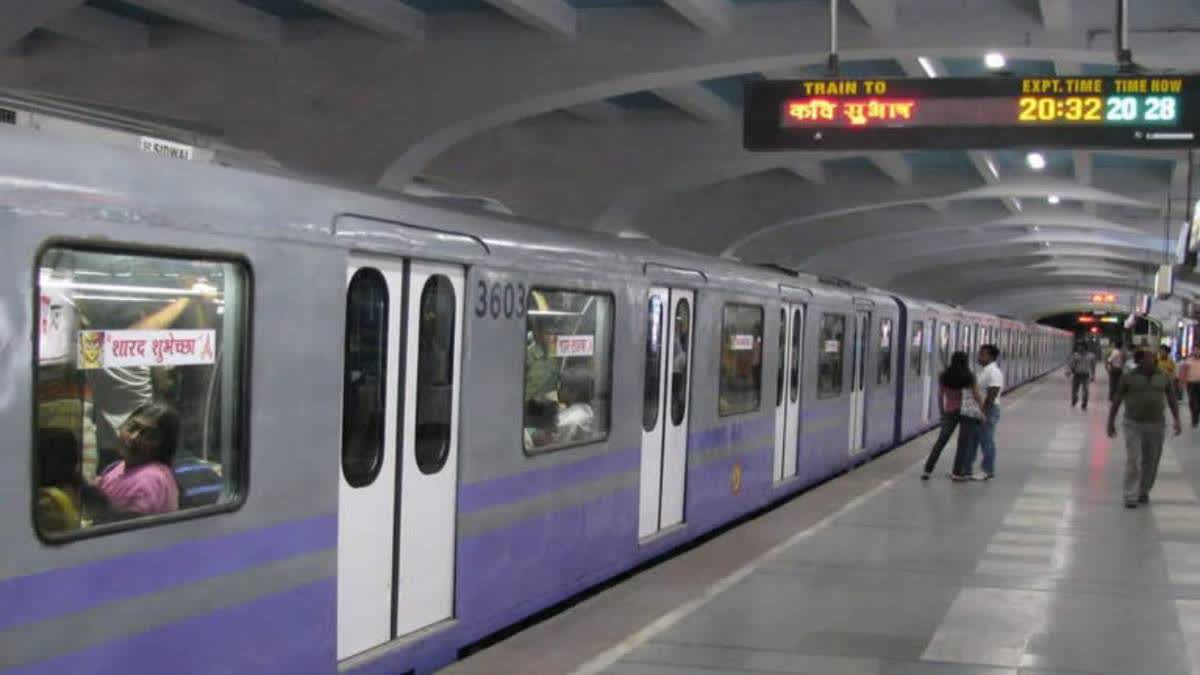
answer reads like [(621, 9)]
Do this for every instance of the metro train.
[(384, 430)]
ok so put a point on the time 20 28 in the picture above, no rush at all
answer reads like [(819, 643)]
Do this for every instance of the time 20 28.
[(500, 300)]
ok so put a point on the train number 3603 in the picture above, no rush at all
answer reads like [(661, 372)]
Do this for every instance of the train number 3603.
[(500, 300)]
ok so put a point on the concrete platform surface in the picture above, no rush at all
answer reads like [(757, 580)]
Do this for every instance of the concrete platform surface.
[(1040, 571)]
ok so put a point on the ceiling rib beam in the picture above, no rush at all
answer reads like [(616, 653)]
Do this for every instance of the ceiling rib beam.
[(813, 172), (224, 17), (893, 165), (880, 15), (714, 17), (985, 165), (1064, 68), (1056, 14), (552, 16), (99, 28), (601, 112), (912, 67), (697, 101), (22, 16), (386, 17)]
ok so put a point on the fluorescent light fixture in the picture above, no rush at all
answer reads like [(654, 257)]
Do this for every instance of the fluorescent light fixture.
[(1053, 199), (1036, 161), (197, 289), (927, 66), (994, 60)]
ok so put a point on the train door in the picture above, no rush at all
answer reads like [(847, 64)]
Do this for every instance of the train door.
[(858, 389), (669, 317), (399, 468), (787, 401)]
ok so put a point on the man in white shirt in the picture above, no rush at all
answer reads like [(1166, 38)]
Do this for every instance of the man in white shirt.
[(991, 384)]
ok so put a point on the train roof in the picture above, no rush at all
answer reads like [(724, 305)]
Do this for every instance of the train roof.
[(119, 183)]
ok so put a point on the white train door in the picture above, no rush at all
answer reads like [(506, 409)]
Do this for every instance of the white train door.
[(787, 401), (665, 412), (858, 394), (399, 469)]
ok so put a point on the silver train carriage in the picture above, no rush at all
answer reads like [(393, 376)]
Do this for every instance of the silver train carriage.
[(256, 424)]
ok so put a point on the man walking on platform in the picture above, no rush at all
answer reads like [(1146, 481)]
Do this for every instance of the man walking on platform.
[(1145, 392), (1081, 368), (1115, 364)]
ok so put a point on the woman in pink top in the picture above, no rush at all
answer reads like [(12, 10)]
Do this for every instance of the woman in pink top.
[(142, 482), (954, 383)]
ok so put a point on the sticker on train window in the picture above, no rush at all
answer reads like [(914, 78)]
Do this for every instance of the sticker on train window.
[(574, 345), (129, 348), (56, 316), (832, 346), (741, 343)]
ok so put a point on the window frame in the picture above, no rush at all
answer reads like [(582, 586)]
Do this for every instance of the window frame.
[(447, 444), (652, 298), (885, 364), (524, 328), (242, 418), (762, 314), (828, 395), (918, 350), (382, 449)]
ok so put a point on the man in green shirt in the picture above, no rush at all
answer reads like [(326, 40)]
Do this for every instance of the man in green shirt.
[(1145, 392)]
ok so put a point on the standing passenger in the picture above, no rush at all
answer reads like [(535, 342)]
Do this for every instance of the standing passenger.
[(1189, 376), (1144, 392), (955, 383), (1116, 365), (1080, 369), (991, 384)]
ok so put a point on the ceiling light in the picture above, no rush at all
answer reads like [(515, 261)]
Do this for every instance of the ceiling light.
[(1036, 161), (994, 60), (927, 66), (1053, 199)]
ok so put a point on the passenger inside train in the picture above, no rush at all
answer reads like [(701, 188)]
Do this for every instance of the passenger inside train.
[(567, 368), (131, 368)]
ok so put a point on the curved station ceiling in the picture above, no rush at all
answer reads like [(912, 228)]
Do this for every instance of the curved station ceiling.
[(625, 115)]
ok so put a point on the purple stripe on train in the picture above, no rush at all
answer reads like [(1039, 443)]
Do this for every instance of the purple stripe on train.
[(48, 594), (494, 492), (284, 633)]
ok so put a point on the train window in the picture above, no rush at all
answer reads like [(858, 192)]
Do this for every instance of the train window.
[(916, 353), (798, 326), (829, 364), (653, 384), (364, 391), (740, 388), (435, 374), (138, 386), (568, 368), (884, 374), (679, 364), (782, 357)]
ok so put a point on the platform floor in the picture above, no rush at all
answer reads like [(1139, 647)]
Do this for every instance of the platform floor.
[(1041, 571)]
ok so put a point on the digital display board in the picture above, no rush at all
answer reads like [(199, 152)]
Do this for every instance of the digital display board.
[(1151, 111)]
